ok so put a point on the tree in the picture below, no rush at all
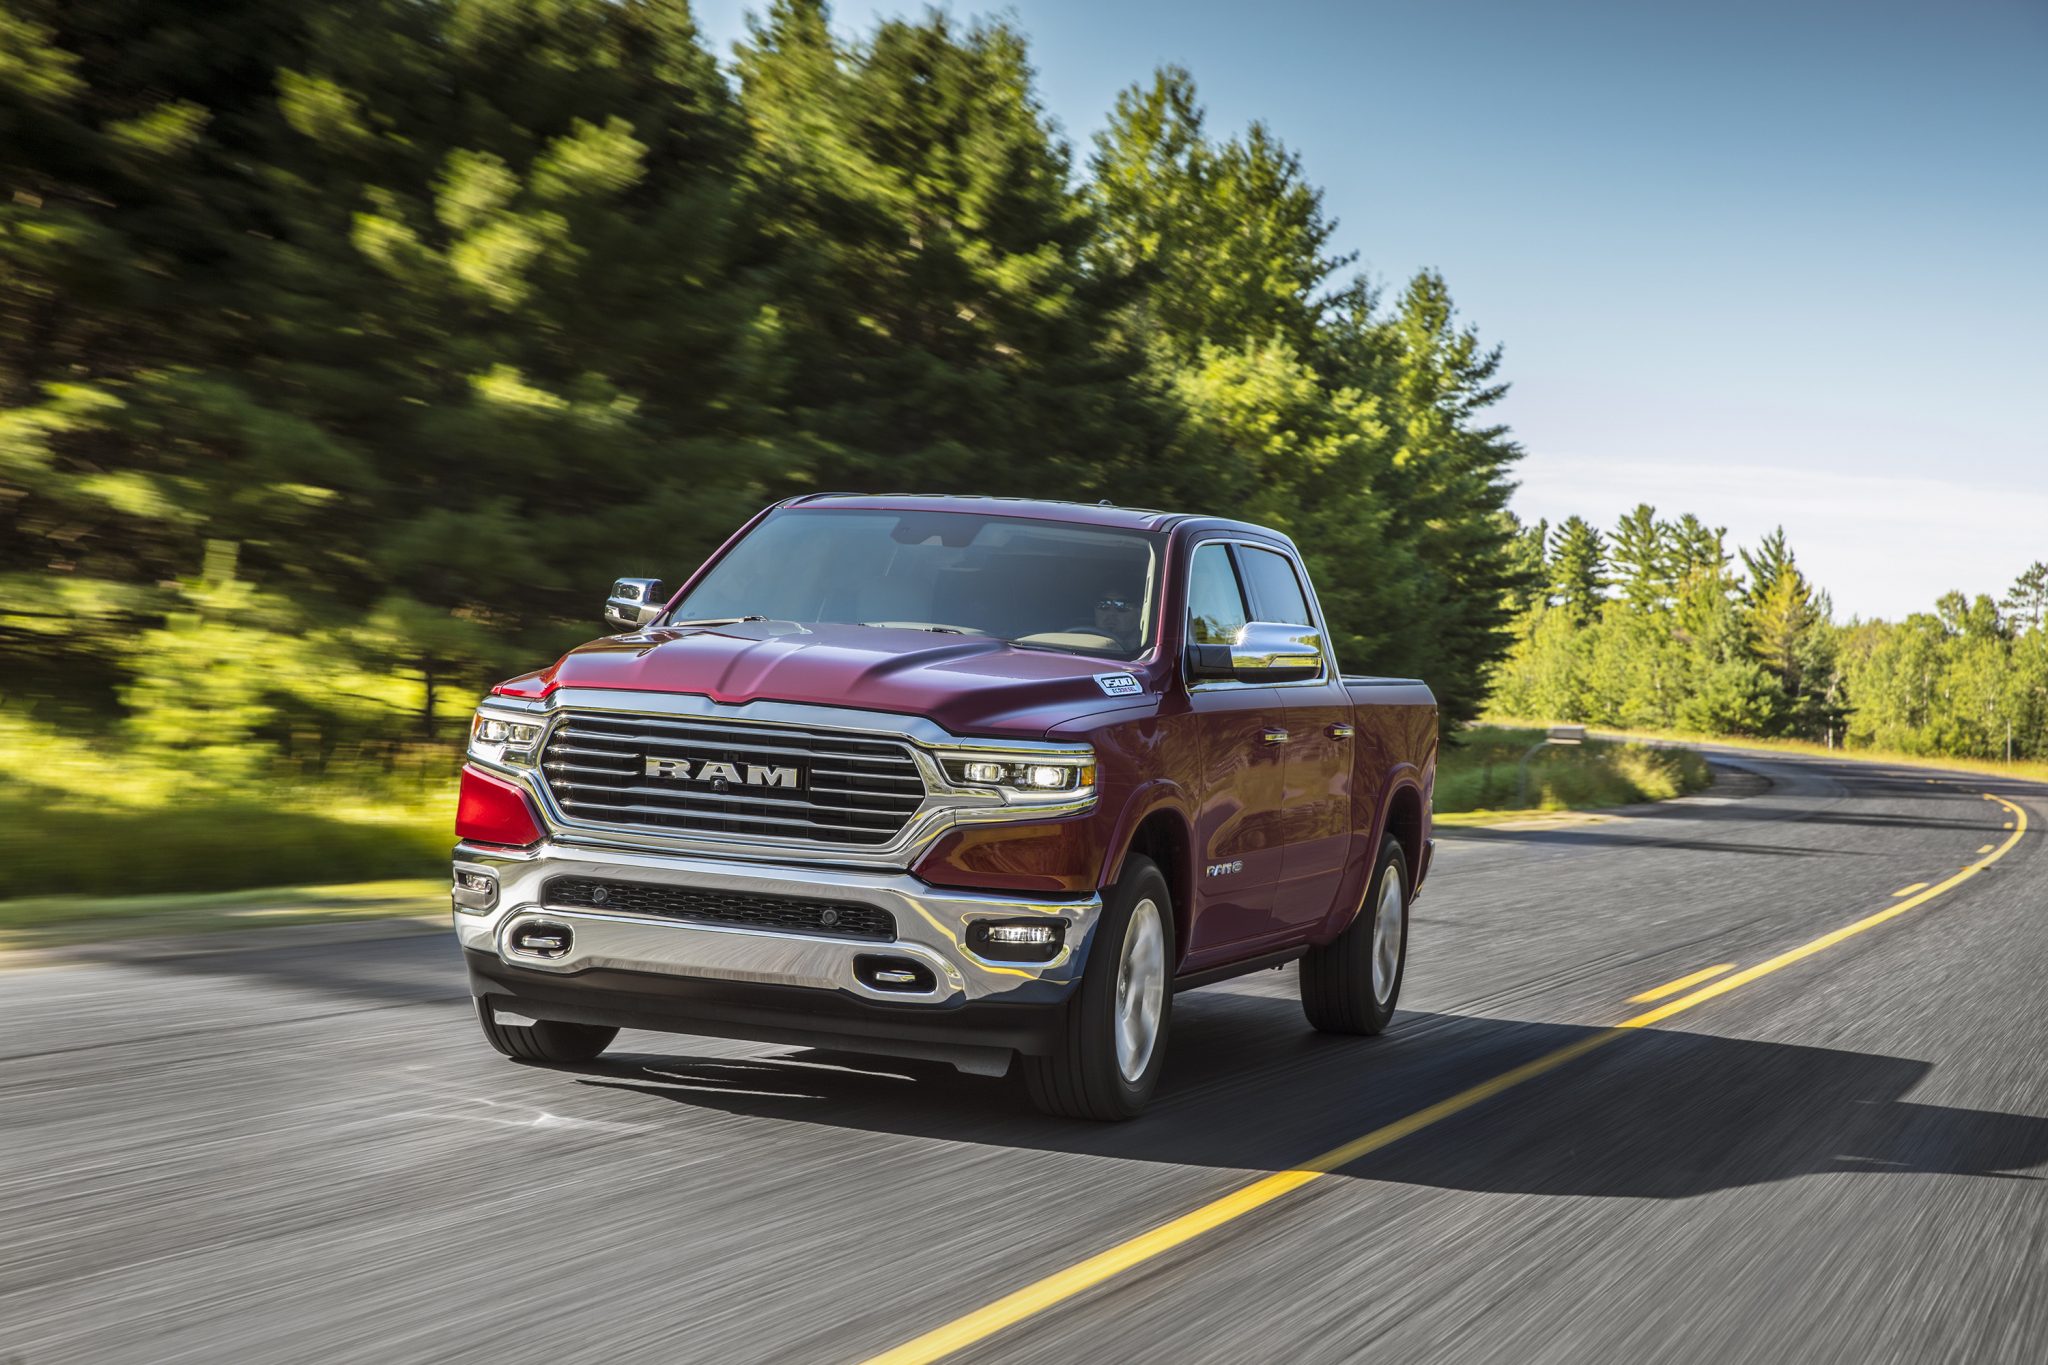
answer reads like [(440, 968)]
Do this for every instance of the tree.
[(2027, 600), (1642, 556), (1578, 568), (1530, 567), (1244, 317), (1229, 239), (943, 329)]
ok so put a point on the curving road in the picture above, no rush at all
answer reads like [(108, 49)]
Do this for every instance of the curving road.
[(306, 1153)]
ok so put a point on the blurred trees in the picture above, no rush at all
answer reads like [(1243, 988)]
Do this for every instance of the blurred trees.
[(348, 347), (1689, 643)]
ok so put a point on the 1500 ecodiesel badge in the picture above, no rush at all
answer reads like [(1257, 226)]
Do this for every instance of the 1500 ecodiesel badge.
[(963, 779)]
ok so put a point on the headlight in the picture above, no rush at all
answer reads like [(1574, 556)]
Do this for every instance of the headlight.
[(1053, 778), (503, 739)]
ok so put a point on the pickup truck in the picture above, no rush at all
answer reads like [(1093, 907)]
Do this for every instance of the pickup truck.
[(973, 780)]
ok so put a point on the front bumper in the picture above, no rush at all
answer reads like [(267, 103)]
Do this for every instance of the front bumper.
[(646, 965)]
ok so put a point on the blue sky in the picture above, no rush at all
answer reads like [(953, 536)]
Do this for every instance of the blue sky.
[(1770, 263)]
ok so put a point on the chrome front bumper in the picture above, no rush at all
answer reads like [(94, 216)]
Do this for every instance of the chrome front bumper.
[(931, 926)]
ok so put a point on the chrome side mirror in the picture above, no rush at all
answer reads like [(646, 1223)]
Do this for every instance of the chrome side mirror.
[(635, 602), (1265, 652)]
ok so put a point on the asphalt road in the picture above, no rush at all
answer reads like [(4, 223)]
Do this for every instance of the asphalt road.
[(307, 1153)]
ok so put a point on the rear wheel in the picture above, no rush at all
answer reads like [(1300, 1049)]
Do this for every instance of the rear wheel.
[(1351, 985), (546, 1040), (1112, 1034)]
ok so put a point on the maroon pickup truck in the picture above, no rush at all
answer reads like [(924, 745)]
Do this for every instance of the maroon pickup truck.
[(964, 779)]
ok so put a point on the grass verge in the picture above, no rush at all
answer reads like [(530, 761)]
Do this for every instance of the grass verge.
[(2032, 770), (66, 850), (1480, 778)]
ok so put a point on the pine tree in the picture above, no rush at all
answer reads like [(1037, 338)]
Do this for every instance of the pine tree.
[(1772, 561), (944, 332), (1641, 554), (1578, 568), (2027, 600), (1230, 239)]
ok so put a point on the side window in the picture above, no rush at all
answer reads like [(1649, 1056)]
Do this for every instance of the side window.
[(1276, 591), (1215, 605)]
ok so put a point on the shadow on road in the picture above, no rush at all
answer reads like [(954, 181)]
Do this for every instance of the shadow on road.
[(1657, 1115)]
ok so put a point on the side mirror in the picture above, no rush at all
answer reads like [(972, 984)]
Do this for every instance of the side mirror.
[(1265, 652), (635, 602)]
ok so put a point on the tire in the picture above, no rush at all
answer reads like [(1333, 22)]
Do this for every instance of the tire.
[(546, 1041), (1088, 1075), (1352, 985)]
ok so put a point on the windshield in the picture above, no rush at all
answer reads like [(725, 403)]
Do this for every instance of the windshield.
[(1036, 584)]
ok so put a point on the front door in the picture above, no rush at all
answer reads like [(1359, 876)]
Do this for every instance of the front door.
[(1242, 783)]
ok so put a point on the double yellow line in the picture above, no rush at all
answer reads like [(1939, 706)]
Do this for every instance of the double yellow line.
[(1035, 1298)]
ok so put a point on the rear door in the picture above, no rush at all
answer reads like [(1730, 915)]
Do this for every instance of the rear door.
[(1239, 820), (1317, 716)]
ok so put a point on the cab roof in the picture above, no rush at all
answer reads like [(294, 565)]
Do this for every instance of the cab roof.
[(1037, 509)]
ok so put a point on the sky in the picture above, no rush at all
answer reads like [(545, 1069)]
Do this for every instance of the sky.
[(1773, 264)]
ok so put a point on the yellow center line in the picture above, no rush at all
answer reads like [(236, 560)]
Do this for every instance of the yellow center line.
[(1909, 890), (1985, 849), (1061, 1285), (1674, 987)]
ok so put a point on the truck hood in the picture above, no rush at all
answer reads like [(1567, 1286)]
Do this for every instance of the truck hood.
[(966, 683)]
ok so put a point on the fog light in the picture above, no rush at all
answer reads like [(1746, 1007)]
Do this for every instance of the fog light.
[(1036, 940), (474, 891)]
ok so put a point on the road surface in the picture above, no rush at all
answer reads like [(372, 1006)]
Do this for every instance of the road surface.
[(306, 1153)]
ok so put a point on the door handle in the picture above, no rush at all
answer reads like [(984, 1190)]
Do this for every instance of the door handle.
[(1340, 731), (1274, 736)]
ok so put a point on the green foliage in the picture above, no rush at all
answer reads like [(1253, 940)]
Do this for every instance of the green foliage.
[(347, 346), (1578, 568), (65, 852), (1358, 430), (1689, 645), (1481, 770)]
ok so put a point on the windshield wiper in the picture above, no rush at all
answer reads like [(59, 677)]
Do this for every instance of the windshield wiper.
[(906, 625), (717, 621)]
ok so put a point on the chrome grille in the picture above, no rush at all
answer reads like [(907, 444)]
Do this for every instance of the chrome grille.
[(852, 789)]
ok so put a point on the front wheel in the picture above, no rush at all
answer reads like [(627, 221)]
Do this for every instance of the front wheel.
[(1112, 1033), (545, 1040), (1350, 986)]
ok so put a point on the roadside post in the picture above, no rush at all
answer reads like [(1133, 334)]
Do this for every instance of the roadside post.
[(1557, 734)]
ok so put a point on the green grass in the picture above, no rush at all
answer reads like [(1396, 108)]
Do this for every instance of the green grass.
[(43, 921), (301, 838), (97, 815), (1477, 774), (2033, 770)]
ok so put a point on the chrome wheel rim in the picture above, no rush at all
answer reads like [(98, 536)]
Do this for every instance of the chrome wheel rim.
[(1140, 990), (1389, 915)]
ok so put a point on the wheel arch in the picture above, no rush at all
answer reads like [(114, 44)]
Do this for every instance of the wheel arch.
[(1404, 822), (1156, 826)]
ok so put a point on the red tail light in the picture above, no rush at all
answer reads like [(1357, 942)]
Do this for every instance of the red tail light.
[(491, 811)]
